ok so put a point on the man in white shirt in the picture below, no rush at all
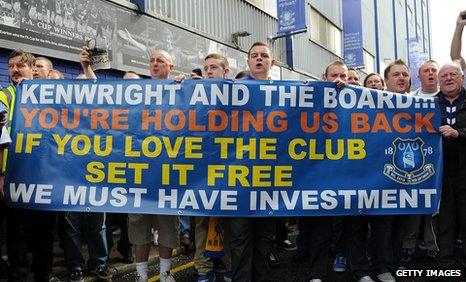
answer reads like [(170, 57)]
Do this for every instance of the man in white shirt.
[(428, 76)]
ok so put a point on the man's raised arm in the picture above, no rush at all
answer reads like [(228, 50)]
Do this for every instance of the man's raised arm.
[(455, 50)]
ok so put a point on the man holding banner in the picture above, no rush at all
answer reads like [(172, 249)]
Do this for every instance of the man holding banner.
[(252, 238), (453, 108), (215, 66), (319, 229), (388, 229), (139, 227), (43, 223), (428, 77)]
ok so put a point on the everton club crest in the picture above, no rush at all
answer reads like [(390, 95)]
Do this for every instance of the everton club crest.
[(287, 18), (408, 164)]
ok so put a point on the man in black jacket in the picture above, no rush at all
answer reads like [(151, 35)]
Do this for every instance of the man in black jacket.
[(453, 129)]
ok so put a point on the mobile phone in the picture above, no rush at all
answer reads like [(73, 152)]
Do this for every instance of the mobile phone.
[(198, 72), (463, 16)]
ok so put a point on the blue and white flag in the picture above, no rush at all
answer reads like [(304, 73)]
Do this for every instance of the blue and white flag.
[(353, 51), (291, 16)]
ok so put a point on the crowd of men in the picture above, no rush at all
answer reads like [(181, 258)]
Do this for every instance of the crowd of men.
[(249, 241)]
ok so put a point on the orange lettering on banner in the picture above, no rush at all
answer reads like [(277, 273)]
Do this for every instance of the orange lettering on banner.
[(359, 123), (148, 119), (213, 115), (28, 116), (330, 120), (331, 123), (65, 118), (120, 119), (99, 117), (234, 121), (169, 120), (193, 126), (315, 125), (381, 123), (396, 122), (44, 120), (249, 119), (49, 118), (283, 124), (424, 122)]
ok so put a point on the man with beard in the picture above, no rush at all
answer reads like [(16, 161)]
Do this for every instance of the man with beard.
[(20, 67)]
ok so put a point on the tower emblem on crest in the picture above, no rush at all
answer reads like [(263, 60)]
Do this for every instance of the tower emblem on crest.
[(408, 164)]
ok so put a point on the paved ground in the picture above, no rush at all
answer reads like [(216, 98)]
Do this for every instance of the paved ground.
[(298, 272), (286, 271)]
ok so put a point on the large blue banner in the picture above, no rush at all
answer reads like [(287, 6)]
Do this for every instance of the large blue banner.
[(222, 147), (353, 51), (291, 16)]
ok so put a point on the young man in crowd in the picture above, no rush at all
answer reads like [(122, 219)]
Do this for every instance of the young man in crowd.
[(43, 223), (215, 66), (374, 81), (397, 77), (42, 68), (252, 238), (353, 77), (388, 229), (428, 76), (315, 233)]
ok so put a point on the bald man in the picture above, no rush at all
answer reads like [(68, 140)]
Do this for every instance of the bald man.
[(139, 228)]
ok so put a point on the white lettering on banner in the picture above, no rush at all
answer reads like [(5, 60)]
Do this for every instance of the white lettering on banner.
[(348, 99), (227, 94), (291, 96), (239, 95), (24, 194), (100, 196), (99, 94), (169, 199), (226, 200), (347, 199)]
